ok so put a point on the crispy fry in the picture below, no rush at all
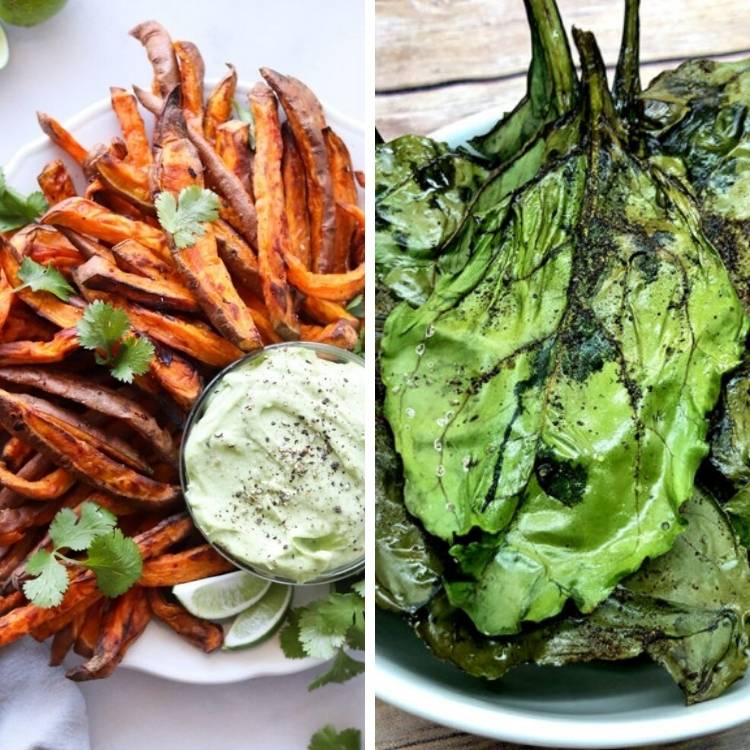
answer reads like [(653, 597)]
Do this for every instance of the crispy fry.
[(260, 315), (39, 352), (79, 457), (65, 638), (226, 183), (6, 298), (16, 453), (295, 195), (124, 621), (232, 145), (11, 601), (132, 126), (45, 245), (97, 273), (238, 256), (34, 467), (344, 193), (219, 105), (135, 258), (273, 232), (122, 178), (99, 398), (305, 116), (88, 635), (62, 138), (88, 247), (342, 334), (335, 287), (181, 567), (148, 100), (205, 635), (192, 337), (192, 71), (87, 217), (17, 556), (55, 182), (154, 37), (325, 312), (24, 324), (54, 485), (176, 376)]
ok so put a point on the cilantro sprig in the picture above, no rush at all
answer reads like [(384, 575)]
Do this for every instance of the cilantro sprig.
[(324, 629), (329, 739), (114, 558), (183, 218), (16, 210), (41, 278), (106, 330)]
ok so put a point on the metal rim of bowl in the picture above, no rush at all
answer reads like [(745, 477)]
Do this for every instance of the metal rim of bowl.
[(343, 356)]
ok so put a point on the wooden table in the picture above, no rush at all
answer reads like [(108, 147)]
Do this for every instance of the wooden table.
[(440, 60)]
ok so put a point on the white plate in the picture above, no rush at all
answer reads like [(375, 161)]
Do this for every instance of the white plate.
[(159, 651), (581, 706)]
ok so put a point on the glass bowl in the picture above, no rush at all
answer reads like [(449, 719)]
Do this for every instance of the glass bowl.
[(324, 351)]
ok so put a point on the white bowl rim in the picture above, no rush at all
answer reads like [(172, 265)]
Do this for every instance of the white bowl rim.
[(415, 695)]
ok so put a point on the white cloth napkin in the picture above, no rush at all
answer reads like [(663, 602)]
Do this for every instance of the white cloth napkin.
[(39, 708)]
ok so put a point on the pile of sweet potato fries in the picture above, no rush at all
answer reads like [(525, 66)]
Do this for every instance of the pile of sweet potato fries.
[(282, 262)]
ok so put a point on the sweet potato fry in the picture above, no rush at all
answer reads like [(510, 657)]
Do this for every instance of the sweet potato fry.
[(125, 179), (273, 232), (148, 100), (35, 466), (62, 138), (305, 116), (88, 217), (55, 182), (232, 145), (23, 324), (238, 256), (45, 245), (6, 298), (79, 457), (205, 635), (176, 376), (11, 601), (17, 556), (335, 287), (181, 567), (99, 398), (87, 246), (325, 312), (342, 334), (219, 104), (192, 337), (132, 126), (88, 635), (65, 638), (123, 622), (226, 183), (295, 195), (154, 37), (54, 485), (262, 321), (97, 273), (39, 352), (344, 193), (16, 453), (135, 258), (192, 71)]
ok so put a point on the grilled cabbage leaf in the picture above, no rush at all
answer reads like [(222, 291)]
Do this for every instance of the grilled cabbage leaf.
[(549, 399)]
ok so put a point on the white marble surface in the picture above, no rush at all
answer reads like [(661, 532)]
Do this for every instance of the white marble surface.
[(61, 67)]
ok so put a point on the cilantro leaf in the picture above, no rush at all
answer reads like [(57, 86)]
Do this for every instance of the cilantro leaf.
[(329, 739), (116, 560), (184, 218), (133, 358), (51, 582), (102, 326), (289, 637), (76, 533), (44, 279), (17, 211), (357, 306), (342, 668), (325, 624), (359, 588)]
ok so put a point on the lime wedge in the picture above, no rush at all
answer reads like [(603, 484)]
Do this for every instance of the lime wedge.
[(261, 620), (222, 596), (4, 49)]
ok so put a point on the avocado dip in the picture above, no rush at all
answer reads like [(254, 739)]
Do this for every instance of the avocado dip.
[(274, 464)]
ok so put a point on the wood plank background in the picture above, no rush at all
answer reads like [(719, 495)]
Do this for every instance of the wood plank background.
[(440, 60)]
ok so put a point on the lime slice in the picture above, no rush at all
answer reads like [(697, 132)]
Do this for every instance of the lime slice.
[(4, 49), (222, 596), (261, 620)]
